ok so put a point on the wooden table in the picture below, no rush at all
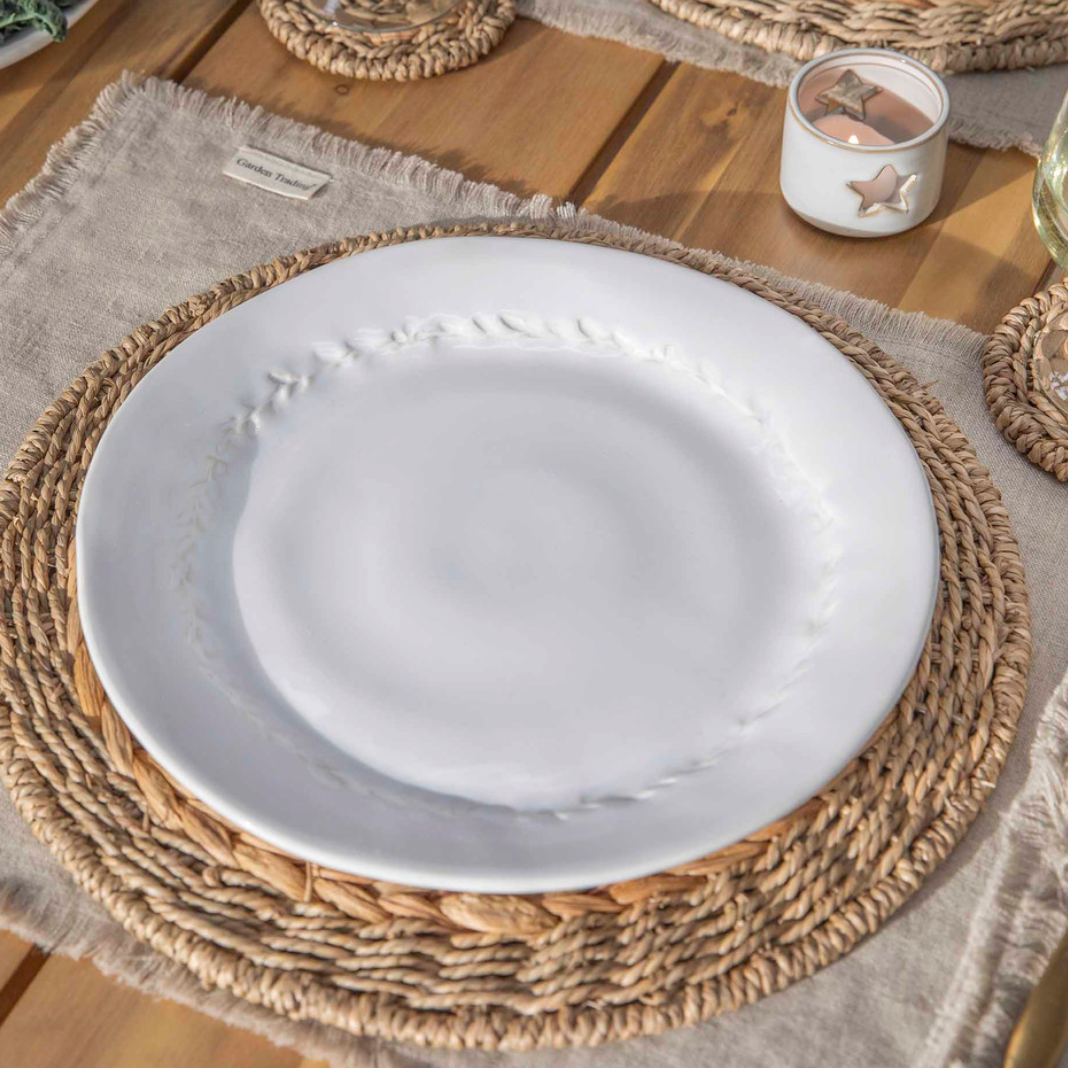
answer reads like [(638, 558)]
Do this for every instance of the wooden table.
[(685, 152)]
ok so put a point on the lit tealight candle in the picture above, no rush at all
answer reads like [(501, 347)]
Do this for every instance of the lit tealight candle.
[(864, 142), (844, 128)]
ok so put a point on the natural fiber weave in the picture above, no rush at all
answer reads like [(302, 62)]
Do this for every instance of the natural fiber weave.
[(494, 971), (947, 35), (456, 40), (1022, 410)]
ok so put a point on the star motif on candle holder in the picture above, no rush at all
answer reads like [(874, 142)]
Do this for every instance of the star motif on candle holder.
[(848, 94), (886, 191)]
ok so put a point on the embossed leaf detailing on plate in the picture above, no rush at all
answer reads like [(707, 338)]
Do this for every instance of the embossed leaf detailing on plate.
[(581, 335)]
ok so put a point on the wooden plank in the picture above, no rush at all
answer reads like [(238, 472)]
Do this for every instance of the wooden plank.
[(531, 116), (12, 953), (703, 167), (986, 256), (1053, 273), (73, 1015), (45, 95), (19, 964)]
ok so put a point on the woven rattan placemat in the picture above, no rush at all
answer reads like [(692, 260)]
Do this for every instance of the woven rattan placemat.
[(948, 35), (1025, 377), (459, 36), (495, 971)]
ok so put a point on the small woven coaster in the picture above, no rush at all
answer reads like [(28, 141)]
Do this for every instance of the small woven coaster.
[(390, 39), (947, 35), (1025, 377), (500, 971)]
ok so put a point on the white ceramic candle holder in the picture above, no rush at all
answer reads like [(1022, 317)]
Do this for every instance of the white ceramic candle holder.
[(857, 189)]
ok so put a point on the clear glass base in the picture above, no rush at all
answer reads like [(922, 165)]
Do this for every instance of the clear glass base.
[(382, 16), (1049, 206)]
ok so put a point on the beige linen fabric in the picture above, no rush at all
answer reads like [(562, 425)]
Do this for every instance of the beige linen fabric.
[(133, 214), (999, 109)]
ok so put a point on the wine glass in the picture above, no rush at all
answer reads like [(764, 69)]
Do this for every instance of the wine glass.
[(1049, 200)]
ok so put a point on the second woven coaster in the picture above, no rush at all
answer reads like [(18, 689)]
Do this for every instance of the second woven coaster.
[(947, 35), (389, 39), (498, 971), (1025, 378)]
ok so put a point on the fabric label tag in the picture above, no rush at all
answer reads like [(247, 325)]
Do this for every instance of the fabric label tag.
[(274, 173)]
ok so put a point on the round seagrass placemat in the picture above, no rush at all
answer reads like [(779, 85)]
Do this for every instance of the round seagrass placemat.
[(390, 39), (500, 971), (1025, 378), (947, 35)]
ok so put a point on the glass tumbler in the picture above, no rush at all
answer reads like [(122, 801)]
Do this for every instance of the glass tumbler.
[(1049, 201), (382, 16)]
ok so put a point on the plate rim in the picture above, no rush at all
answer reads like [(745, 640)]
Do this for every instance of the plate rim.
[(489, 880)]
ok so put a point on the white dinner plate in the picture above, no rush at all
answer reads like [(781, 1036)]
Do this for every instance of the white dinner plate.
[(26, 42), (505, 564)]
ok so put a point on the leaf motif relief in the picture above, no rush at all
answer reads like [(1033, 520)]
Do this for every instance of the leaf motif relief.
[(793, 483)]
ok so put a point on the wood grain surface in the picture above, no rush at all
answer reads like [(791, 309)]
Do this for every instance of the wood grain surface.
[(45, 95), (682, 151), (529, 117), (71, 1016), (702, 166)]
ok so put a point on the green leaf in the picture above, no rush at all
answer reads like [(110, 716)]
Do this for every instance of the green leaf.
[(44, 15)]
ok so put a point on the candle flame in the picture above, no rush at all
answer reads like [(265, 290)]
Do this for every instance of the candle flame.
[(853, 139)]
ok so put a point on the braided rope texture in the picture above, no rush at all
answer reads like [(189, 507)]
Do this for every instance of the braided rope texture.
[(499, 971), (1021, 410), (947, 35), (454, 41)]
